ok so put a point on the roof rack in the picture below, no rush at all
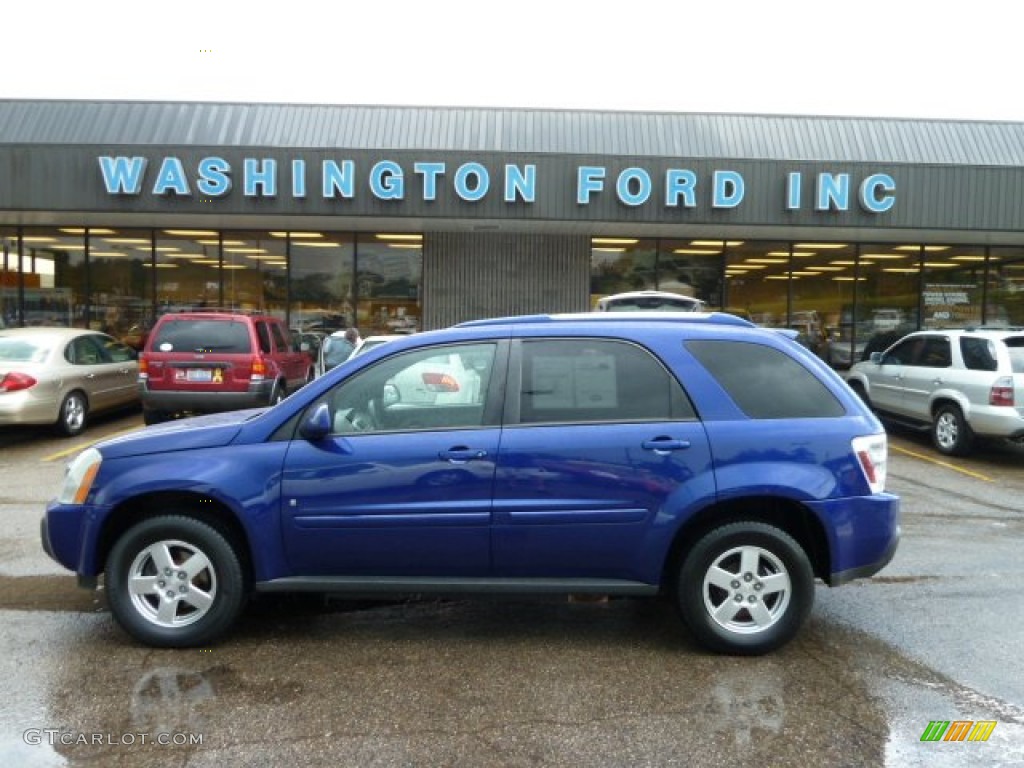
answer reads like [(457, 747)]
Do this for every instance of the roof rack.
[(711, 318), (200, 309), (993, 327)]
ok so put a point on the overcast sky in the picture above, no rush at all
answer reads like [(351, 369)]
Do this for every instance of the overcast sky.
[(883, 58)]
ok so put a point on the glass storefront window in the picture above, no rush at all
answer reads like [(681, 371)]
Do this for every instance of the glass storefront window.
[(322, 281), (693, 268), (1005, 295), (821, 310), (9, 272), (254, 272), (388, 277), (952, 286), (889, 294), (621, 264), (757, 282), (121, 283), (52, 269)]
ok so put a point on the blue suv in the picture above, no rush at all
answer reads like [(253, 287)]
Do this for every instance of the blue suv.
[(693, 456)]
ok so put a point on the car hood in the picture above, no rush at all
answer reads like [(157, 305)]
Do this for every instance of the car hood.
[(208, 431)]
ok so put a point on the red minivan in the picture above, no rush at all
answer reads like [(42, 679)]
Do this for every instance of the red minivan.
[(204, 361)]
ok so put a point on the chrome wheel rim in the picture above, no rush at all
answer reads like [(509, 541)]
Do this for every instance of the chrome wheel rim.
[(172, 583), (946, 430), (74, 413), (747, 590)]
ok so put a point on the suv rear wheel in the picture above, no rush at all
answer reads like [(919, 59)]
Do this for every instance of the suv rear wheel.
[(745, 588), (175, 582), (951, 433)]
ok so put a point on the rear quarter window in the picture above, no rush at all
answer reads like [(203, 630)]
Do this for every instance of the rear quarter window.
[(764, 382), (1015, 344)]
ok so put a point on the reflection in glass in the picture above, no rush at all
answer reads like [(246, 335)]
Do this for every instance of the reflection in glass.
[(1005, 295), (322, 285), (388, 277)]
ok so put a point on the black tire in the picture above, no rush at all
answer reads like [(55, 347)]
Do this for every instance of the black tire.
[(310, 376), (758, 581), (150, 417), (951, 434), (74, 414), (179, 609), (279, 394)]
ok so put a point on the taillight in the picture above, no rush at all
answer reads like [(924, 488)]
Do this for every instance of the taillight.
[(143, 368), (872, 452), (259, 369), (440, 382), (1001, 392), (14, 382)]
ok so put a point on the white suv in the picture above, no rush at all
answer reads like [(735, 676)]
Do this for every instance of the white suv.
[(958, 383)]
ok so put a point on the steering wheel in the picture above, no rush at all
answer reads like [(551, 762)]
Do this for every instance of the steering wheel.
[(362, 419)]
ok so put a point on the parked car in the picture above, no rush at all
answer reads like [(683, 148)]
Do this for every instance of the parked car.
[(960, 384), (692, 456), (61, 376), (206, 361), (649, 301)]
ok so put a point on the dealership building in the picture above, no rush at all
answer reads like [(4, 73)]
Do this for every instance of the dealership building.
[(411, 218)]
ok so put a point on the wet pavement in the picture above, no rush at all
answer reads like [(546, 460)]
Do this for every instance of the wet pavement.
[(553, 683)]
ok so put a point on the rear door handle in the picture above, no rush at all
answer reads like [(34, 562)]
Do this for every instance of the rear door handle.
[(664, 445), (461, 455)]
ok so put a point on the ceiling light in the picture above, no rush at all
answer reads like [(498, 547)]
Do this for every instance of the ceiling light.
[(191, 232), (822, 246), (610, 240), (398, 237)]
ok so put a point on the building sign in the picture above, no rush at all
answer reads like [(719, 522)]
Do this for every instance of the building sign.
[(214, 177)]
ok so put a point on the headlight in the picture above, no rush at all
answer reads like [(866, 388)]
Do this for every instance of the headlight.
[(79, 476)]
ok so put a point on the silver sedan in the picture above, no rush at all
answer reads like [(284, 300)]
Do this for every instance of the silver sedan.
[(61, 375)]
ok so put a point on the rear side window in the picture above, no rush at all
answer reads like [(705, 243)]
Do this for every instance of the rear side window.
[(214, 336), (588, 380), (978, 354), (765, 382), (1016, 346)]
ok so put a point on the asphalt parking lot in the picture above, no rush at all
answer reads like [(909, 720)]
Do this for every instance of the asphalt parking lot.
[(933, 637)]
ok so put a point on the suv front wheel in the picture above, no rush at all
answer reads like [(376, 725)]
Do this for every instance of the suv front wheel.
[(745, 588), (174, 582)]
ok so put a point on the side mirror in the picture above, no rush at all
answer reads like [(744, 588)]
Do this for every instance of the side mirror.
[(390, 395), (317, 425), (876, 358)]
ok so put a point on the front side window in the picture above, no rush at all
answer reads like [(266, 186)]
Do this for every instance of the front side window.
[(904, 353), (436, 388), (588, 380), (765, 382)]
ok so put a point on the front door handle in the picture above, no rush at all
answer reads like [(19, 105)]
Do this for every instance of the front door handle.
[(664, 445), (460, 454)]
